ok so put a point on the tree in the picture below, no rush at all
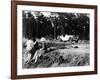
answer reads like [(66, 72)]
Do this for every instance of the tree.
[(38, 25)]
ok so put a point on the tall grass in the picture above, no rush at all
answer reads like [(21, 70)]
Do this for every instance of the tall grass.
[(56, 58)]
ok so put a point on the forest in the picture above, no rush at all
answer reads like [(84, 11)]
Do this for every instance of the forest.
[(52, 24)]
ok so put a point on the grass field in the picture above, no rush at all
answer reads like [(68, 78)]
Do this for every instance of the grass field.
[(64, 55)]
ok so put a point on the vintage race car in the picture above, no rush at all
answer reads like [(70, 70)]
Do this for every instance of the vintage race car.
[(69, 38)]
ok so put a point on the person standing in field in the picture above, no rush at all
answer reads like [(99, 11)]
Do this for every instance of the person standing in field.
[(39, 51), (30, 49)]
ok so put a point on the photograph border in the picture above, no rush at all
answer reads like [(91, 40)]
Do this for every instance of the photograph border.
[(14, 39)]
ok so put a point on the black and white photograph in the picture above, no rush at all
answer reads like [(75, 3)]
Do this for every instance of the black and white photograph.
[(55, 39), (52, 39)]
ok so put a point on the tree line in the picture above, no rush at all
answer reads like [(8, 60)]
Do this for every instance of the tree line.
[(38, 25)]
